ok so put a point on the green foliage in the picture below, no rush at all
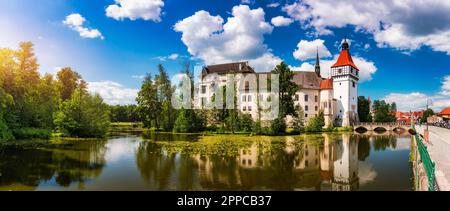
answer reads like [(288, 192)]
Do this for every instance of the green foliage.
[(427, 113), (246, 122), (298, 121), (67, 82), (83, 115), (188, 121), (364, 110), (31, 133), (124, 113), (278, 126), (384, 111), (316, 123), (287, 89)]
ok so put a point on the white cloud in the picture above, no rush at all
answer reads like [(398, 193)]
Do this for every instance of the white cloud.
[(241, 38), (308, 49), (417, 101), (281, 21), (76, 22), (140, 77), (366, 68), (402, 24), (273, 5), (113, 93), (136, 9), (173, 56)]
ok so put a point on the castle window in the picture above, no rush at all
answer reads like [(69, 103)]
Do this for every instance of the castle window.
[(353, 84), (306, 98), (340, 71), (316, 98), (306, 108), (297, 97), (203, 89), (249, 108), (249, 98), (316, 108), (306, 115), (247, 87), (244, 108), (324, 104), (244, 98)]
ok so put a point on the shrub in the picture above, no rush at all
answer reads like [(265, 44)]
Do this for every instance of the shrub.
[(32, 133), (278, 126)]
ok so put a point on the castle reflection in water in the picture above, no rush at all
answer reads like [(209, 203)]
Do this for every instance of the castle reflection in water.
[(326, 163)]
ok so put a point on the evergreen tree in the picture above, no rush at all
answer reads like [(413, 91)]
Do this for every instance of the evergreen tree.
[(67, 82), (363, 109), (287, 89), (316, 123), (147, 100)]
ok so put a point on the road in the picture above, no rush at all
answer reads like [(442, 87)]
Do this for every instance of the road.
[(439, 150)]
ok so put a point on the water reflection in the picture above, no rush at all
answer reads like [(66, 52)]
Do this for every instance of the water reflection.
[(63, 164), (326, 162), (308, 162)]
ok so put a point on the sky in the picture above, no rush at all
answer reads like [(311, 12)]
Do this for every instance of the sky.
[(402, 47)]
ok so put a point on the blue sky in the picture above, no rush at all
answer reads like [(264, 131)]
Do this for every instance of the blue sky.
[(403, 49)]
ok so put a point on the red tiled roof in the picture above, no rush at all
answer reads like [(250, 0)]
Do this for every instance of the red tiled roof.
[(345, 59), (445, 111), (326, 84)]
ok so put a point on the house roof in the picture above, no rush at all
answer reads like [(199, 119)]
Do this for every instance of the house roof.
[(236, 67), (326, 84), (307, 80), (445, 111)]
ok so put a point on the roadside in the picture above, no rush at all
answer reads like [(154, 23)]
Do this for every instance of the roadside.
[(439, 150)]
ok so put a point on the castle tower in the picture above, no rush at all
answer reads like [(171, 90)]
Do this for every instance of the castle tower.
[(345, 77), (317, 67)]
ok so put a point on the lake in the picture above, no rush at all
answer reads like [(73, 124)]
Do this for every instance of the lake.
[(153, 161)]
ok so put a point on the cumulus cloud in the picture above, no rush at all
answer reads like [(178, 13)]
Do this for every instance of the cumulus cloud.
[(417, 100), (241, 37), (136, 9), (76, 22), (403, 24), (308, 49), (281, 21), (113, 93)]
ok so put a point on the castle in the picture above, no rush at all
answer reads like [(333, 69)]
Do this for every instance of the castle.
[(336, 96)]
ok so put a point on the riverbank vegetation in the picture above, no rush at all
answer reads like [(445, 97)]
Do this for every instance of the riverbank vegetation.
[(34, 106)]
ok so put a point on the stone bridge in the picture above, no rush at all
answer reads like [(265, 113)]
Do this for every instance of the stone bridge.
[(388, 126)]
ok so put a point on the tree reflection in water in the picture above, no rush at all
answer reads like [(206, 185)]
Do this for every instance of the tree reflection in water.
[(317, 162), (67, 164)]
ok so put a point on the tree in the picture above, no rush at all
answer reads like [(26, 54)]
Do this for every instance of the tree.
[(298, 120), (383, 111), (287, 89), (278, 126), (5, 101), (67, 81), (165, 91), (316, 123), (363, 109), (83, 115), (182, 123), (246, 122), (427, 113), (148, 105)]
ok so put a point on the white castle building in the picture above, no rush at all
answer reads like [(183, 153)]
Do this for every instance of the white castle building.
[(336, 96)]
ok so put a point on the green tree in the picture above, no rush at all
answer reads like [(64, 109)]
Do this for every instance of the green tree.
[(165, 91), (287, 89), (5, 101), (299, 119), (427, 113), (363, 109), (246, 122), (182, 123), (278, 126), (67, 82), (383, 112), (83, 115), (148, 104), (316, 123)]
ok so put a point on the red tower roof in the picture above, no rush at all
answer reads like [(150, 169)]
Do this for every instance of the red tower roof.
[(345, 58), (326, 84)]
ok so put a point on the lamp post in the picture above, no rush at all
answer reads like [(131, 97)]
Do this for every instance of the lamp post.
[(425, 133)]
